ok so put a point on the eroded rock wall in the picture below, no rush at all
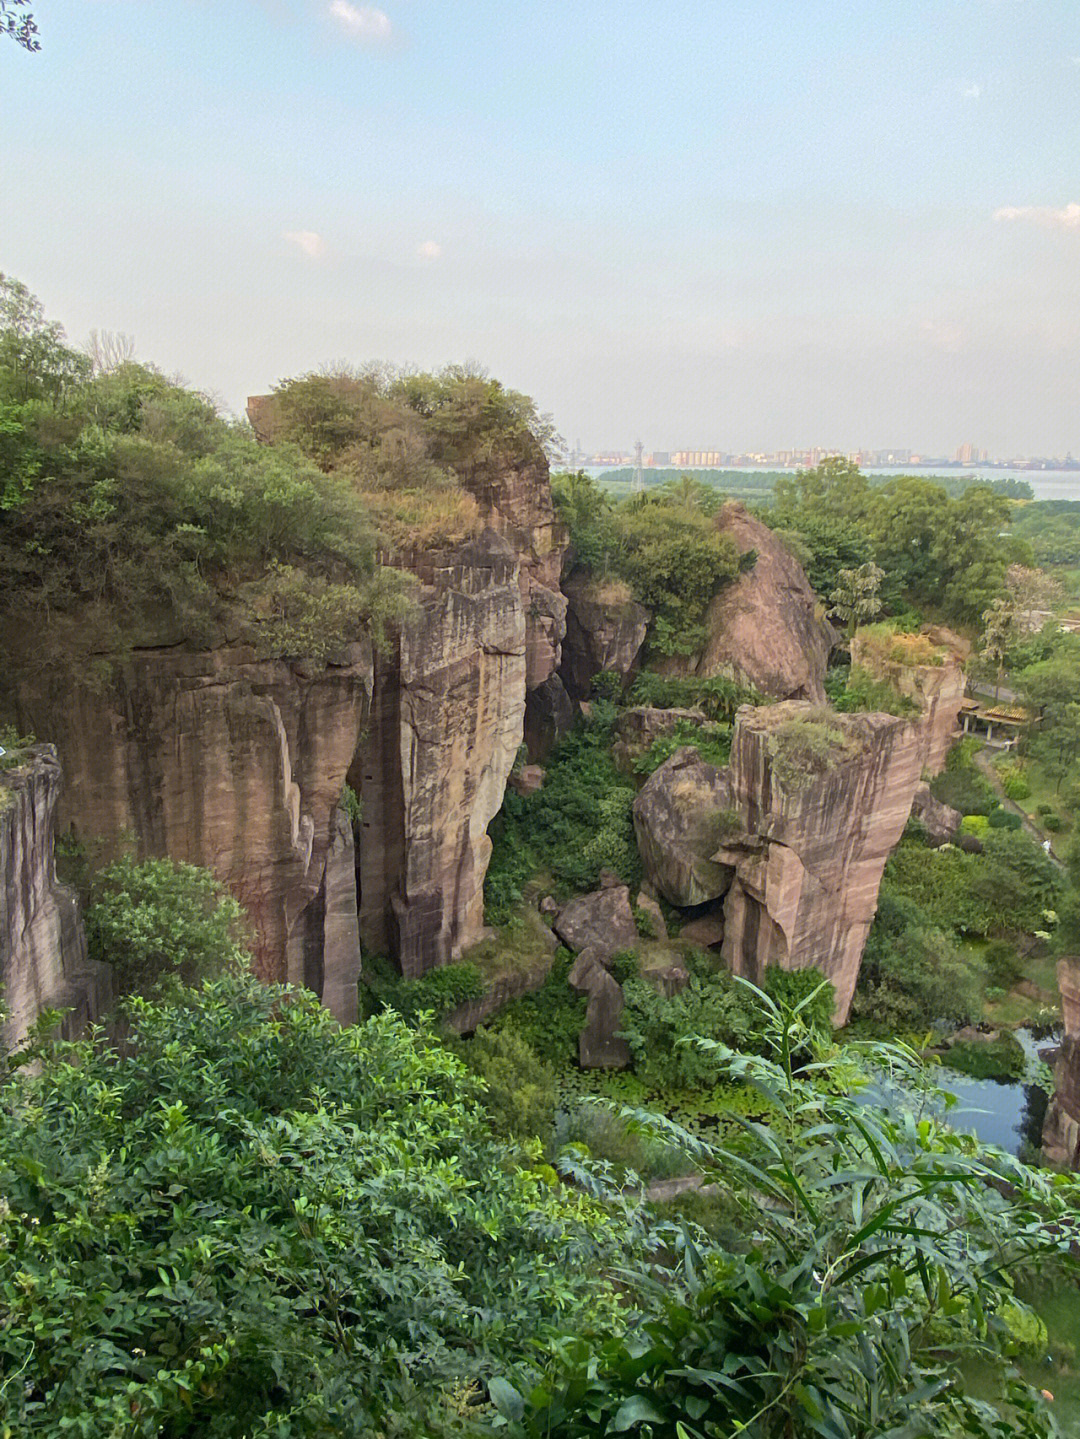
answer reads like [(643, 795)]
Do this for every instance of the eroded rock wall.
[(217, 758), (938, 689), (808, 868), (43, 960), (605, 631), (446, 722), (1061, 1130)]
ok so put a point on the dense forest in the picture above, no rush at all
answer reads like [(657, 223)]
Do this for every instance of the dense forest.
[(223, 1213)]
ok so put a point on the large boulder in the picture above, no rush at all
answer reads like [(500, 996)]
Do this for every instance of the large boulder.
[(549, 714), (602, 922), (599, 1045), (679, 819), (824, 799), (941, 823), (767, 627), (605, 630), (637, 728)]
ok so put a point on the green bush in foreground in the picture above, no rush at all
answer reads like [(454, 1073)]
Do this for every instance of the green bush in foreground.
[(254, 1222), (875, 1256), (158, 922)]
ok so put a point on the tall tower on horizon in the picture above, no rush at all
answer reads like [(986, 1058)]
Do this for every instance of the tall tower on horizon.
[(639, 469)]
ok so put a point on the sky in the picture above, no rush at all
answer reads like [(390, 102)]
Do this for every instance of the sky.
[(734, 224)]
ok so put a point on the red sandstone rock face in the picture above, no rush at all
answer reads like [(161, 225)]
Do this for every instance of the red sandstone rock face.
[(514, 495), (939, 690), (808, 871), (446, 723), (219, 759), (602, 634), (43, 961), (767, 626), (1061, 1129)]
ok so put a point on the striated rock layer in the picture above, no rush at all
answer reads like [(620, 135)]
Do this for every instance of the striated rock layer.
[(220, 759), (605, 631), (808, 869), (446, 723), (938, 689), (766, 626), (43, 960), (795, 850), (1061, 1129)]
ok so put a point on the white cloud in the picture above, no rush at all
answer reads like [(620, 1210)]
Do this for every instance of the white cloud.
[(363, 23), (429, 250), (313, 245), (1065, 218)]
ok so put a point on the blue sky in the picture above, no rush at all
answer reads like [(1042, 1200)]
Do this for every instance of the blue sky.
[(761, 224)]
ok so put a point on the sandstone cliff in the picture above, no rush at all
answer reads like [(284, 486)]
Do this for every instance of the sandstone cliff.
[(446, 723), (793, 834), (1061, 1130), (43, 961), (220, 759), (938, 688), (766, 626), (605, 630)]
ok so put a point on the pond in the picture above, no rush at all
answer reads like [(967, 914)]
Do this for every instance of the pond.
[(1001, 1114)]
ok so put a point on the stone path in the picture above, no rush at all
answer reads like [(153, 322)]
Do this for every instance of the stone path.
[(982, 762)]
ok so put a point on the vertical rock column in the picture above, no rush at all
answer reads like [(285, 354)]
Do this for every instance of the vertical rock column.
[(446, 723), (1061, 1129), (43, 960), (809, 864)]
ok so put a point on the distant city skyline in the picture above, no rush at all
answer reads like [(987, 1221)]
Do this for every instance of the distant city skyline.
[(766, 220), (966, 455)]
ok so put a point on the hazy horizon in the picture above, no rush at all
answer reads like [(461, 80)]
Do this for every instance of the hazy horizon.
[(746, 226)]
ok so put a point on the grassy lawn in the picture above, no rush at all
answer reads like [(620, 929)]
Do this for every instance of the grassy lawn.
[(1045, 791)]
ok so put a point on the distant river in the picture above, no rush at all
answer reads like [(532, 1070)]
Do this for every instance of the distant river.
[(1046, 484)]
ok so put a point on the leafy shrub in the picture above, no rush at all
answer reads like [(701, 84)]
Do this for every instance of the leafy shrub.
[(1044, 809), (519, 1087), (624, 965), (14, 746), (159, 921), (550, 1019), (1016, 787), (864, 694), (576, 825), (749, 1338), (608, 685), (253, 1220), (1002, 818), (801, 749), (712, 742), (1052, 822), (437, 992), (912, 975), (960, 785), (717, 696), (1002, 962), (976, 824)]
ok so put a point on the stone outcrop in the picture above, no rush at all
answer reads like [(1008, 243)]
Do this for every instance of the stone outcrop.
[(446, 724), (937, 688), (549, 714), (601, 922), (324, 946), (1061, 1128), (940, 821), (599, 1044), (678, 820), (808, 867), (793, 834), (43, 959), (638, 726), (605, 630), (766, 627), (217, 758)]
